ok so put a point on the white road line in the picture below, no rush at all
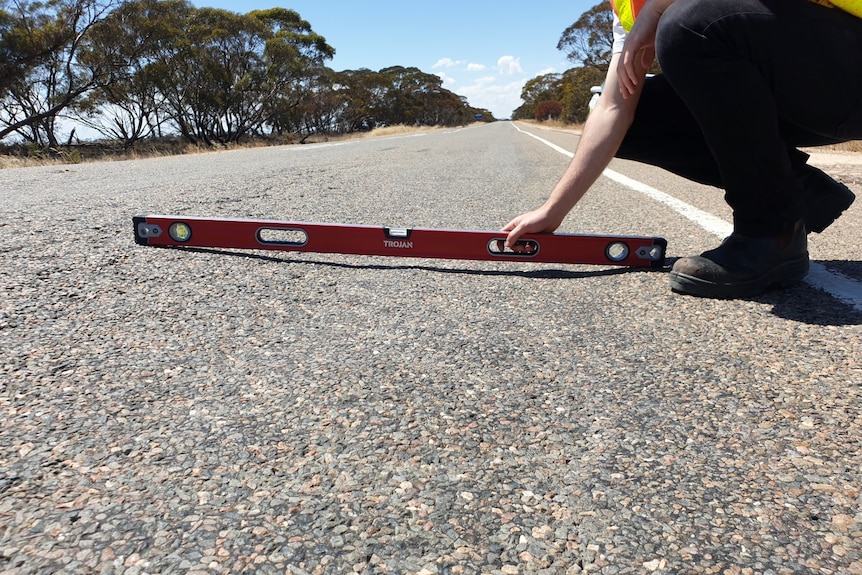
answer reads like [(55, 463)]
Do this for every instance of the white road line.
[(839, 286), (712, 224)]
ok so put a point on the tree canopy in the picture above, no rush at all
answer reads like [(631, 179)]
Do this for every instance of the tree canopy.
[(137, 69), (587, 43), (590, 40)]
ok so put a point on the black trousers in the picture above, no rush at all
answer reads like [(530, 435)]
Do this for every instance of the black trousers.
[(744, 84)]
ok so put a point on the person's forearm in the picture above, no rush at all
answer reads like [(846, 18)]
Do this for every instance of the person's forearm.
[(599, 142), (603, 133)]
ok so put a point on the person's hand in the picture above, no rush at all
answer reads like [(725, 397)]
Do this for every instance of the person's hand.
[(533, 222), (639, 49)]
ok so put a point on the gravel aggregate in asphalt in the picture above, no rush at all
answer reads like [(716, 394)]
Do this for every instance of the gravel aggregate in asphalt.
[(211, 411)]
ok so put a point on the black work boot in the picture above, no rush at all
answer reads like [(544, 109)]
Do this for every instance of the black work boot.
[(743, 266), (824, 199)]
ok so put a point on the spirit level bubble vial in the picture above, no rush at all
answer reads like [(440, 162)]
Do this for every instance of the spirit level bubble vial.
[(180, 232)]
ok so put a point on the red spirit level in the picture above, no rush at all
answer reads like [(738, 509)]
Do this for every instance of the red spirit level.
[(400, 242)]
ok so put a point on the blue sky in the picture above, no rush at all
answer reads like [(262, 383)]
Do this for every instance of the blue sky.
[(485, 50)]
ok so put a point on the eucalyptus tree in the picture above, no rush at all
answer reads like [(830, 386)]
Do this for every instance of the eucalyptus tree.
[(575, 92), (43, 75), (139, 39), (542, 88), (588, 43), (296, 76), (228, 74), (409, 90), (363, 99), (589, 40)]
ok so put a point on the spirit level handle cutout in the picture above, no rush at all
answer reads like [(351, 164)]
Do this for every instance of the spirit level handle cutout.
[(283, 236), (523, 248)]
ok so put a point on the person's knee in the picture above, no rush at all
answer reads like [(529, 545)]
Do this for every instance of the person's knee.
[(690, 29), (676, 32)]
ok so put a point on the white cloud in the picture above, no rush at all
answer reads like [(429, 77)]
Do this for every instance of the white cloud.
[(500, 98), (448, 81), (450, 63), (509, 66), (446, 63), (496, 88)]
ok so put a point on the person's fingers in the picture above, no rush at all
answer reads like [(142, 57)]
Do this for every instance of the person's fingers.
[(647, 57), (627, 74), (514, 234), (511, 225)]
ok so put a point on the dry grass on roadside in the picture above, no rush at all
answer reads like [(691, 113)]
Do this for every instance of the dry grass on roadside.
[(108, 151), (400, 130), (553, 124), (852, 146), (386, 131), (7, 162), (26, 156)]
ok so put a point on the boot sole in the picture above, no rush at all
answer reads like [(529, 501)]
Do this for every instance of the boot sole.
[(784, 275)]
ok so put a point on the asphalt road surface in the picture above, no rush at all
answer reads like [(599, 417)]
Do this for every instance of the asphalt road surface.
[(215, 411)]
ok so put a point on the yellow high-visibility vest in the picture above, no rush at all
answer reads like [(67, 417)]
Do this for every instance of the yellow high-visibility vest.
[(852, 6), (628, 10)]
